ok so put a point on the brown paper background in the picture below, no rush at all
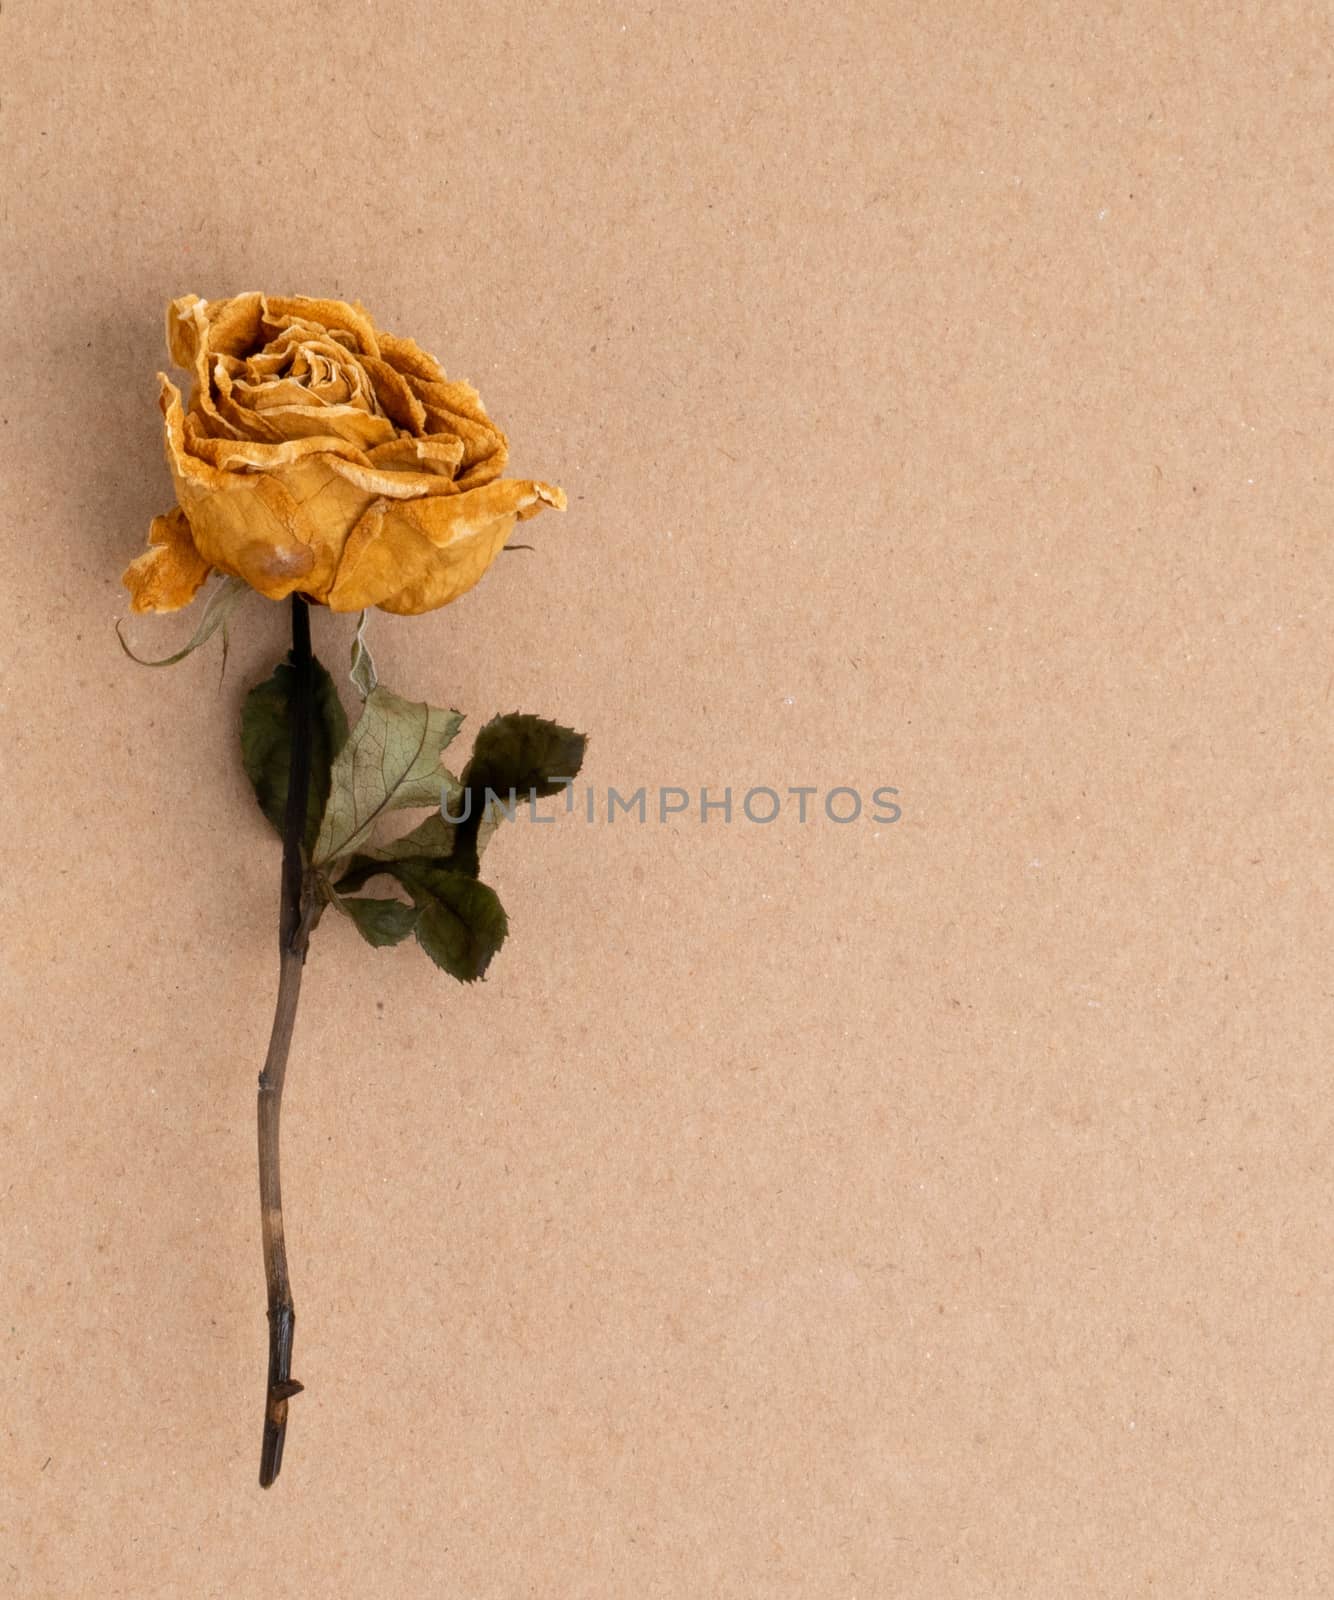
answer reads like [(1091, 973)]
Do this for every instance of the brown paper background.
[(937, 1209)]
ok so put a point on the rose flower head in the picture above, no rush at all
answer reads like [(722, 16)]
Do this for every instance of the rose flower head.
[(319, 454)]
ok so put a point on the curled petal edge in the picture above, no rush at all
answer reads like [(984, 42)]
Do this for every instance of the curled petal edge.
[(171, 572), (414, 556)]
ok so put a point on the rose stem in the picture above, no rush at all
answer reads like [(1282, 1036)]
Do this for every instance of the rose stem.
[(295, 921)]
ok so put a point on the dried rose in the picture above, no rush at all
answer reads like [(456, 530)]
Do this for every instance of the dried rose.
[(323, 456)]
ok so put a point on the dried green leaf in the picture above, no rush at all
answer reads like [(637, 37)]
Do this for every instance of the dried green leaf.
[(362, 671), (355, 872), (461, 923), (391, 759), (523, 753), (516, 757), (217, 610), (266, 744), (380, 922), (433, 839)]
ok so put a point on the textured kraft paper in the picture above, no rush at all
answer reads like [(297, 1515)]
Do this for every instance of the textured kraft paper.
[(936, 1208)]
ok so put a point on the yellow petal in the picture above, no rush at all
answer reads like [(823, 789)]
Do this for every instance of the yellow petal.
[(281, 530), (171, 571), (395, 397), (439, 454), (410, 556), (198, 330), (457, 408), (179, 459), (395, 481), (276, 515), (237, 454), (184, 319), (281, 311), (329, 425), (408, 357)]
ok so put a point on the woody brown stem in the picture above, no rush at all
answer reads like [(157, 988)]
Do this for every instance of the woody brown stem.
[(298, 914)]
